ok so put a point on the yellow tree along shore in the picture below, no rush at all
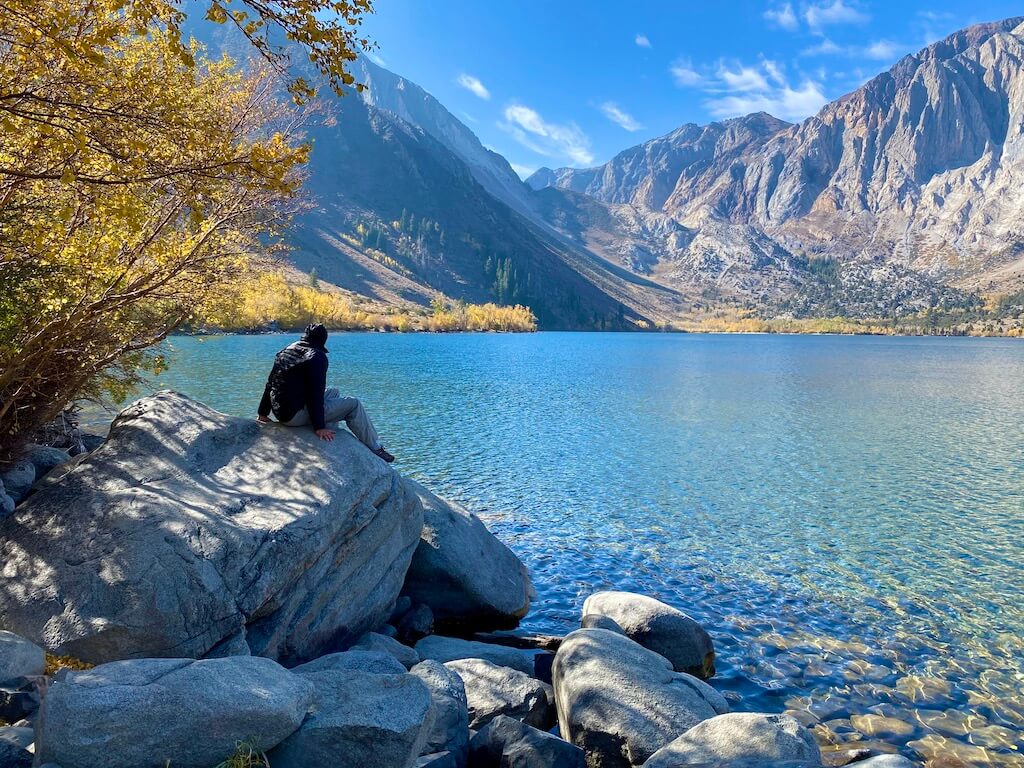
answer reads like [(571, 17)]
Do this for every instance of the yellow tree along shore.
[(268, 299), (136, 175)]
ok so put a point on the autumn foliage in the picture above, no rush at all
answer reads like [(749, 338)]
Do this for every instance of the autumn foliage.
[(136, 174)]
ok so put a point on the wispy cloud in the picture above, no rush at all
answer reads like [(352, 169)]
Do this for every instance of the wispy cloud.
[(824, 14), (884, 50), (784, 16), (880, 50), (613, 112), (524, 171), (557, 140), (825, 48), (376, 59), (473, 85), (742, 79), (736, 89), (643, 41), (684, 74)]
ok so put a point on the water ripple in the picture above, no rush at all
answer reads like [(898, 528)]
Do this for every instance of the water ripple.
[(843, 514)]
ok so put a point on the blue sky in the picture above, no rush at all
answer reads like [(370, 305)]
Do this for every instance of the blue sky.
[(572, 82)]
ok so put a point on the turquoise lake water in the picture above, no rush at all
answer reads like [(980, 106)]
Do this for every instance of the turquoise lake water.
[(845, 515)]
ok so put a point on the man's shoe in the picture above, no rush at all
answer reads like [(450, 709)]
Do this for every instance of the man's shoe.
[(384, 454)]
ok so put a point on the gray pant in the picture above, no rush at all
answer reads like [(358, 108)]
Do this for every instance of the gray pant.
[(347, 409)]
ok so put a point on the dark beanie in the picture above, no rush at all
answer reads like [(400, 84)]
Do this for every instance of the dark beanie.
[(315, 335)]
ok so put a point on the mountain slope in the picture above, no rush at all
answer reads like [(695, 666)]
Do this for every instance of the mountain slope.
[(397, 215), (913, 185), (392, 93)]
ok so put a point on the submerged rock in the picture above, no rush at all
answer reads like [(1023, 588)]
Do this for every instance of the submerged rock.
[(657, 627), (359, 719), (20, 660), (739, 736), (492, 690), (450, 731), (620, 702), (508, 743), (191, 714), (886, 761), (192, 533), (452, 648), (468, 578)]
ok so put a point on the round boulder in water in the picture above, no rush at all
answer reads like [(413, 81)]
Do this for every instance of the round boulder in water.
[(657, 627)]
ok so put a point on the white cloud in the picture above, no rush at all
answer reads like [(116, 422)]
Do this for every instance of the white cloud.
[(643, 41), (825, 48), (741, 79), (527, 127), (880, 50), (884, 50), (625, 120), (376, 59), (738, 89), (684, 74), (783, 16), (473, 85), (524, 171), (788, 102), (820, 15), (469, 117)]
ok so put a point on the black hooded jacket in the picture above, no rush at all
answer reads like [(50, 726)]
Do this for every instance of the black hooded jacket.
[(298, 380)]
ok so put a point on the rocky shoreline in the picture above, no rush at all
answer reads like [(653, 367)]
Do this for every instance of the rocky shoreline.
[(237, 587)]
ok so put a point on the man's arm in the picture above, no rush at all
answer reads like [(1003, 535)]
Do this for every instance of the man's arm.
[(264, 409), (316, 385)]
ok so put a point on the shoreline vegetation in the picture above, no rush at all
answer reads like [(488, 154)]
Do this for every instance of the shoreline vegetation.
[(277, 301), (286, 300)]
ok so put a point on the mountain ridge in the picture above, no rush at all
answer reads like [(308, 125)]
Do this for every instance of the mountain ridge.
[(872, 176), (864, 210)]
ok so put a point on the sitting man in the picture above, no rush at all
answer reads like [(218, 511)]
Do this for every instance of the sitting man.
[(297, 393)]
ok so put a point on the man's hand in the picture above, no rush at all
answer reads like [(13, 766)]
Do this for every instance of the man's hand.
[(262, 419), (325, 434)]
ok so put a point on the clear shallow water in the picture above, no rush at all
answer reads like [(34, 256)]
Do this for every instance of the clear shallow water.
[(844, 515)]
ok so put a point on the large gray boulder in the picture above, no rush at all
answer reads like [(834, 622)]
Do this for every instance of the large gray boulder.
[(468, 578), (508, 743), (657, 627), (492, 690), (189, 533), (450, 732), (17, 478), (739, 736), (620, 702), (451, 648), (374, 662), (146, 713), (374, 641), (20, 660), (359, 719)]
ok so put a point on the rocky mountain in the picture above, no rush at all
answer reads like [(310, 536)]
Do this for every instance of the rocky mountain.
[(406, 204), (901, 197), (905, 194)]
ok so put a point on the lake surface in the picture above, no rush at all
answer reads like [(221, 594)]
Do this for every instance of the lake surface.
[(845, 515)]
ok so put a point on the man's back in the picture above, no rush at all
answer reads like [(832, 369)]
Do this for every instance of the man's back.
[(297, 380)]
